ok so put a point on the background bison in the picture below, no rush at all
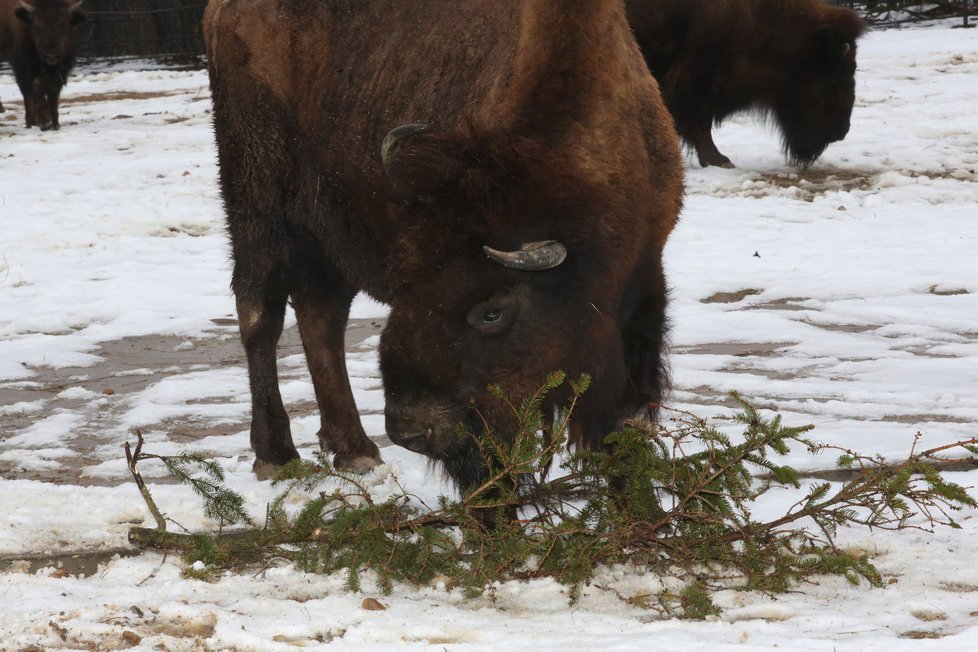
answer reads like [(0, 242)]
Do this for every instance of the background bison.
[(794, 60), (37, 37), (503, 174)]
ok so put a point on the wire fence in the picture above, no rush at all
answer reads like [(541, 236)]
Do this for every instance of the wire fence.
[(171, 29), (142, 28)]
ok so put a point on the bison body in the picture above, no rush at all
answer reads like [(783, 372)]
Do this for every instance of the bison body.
[(502, 173), (793, 60), (37, 37)]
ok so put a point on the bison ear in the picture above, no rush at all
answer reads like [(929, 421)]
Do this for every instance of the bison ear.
[(832, 47), (422, 162)]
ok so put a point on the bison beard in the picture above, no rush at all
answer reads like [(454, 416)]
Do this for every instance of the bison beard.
[(502, 173), (791, 60)]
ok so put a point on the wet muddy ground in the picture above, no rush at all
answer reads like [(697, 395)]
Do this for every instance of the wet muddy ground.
[(102, 394), (126, 368)]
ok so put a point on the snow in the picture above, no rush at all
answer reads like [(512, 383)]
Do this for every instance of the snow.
[(845, 295)]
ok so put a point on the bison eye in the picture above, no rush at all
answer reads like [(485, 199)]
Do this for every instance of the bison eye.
[(491, 318)]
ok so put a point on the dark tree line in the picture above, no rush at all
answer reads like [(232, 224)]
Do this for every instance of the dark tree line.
[(153, 28)]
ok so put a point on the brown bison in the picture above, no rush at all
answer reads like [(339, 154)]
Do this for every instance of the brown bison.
[(37, 37), (794, 60), (502, 173)]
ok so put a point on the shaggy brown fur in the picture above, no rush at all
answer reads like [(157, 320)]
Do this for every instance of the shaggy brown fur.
[(543, 123), (39, 42), (794, 60)]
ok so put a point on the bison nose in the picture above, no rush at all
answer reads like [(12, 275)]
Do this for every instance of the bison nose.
[(407, 432), (51, 59), (416, 442)]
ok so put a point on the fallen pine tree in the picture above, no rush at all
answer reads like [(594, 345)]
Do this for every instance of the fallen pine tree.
[(674, 499)]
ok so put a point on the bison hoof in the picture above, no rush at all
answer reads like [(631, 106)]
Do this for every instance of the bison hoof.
[(714, 158), (359, 464), (266, 470)]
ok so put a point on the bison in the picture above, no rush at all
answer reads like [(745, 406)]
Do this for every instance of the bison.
[(793, 60), (37, 37), (502, 173)]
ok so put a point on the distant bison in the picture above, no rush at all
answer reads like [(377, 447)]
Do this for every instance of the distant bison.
[(502, 173), (37, 37), (794, 60)]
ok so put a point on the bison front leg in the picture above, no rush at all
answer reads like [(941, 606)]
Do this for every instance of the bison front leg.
[(322, 311), (26, 86), (686, 89), (260, 317), (31, 111), (39, 113), (706, 149), (51, 98)]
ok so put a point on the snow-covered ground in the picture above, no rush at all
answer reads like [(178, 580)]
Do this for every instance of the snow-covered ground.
[(846, 295)]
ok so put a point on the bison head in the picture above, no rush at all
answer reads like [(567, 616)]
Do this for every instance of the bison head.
[(52, 25), (505, 286), (815, 105)]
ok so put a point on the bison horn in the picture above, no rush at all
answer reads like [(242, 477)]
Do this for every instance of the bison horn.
[(531, 257), (846, 48), (396, 136), (27, 6)]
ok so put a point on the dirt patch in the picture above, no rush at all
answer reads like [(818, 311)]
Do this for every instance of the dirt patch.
[(912, 419), (788, 303), (739, 349), (808, 185), (821, 180), (946, 292), (958, 587), (121, 95), (730, 297), (841, 328), (920, 635)]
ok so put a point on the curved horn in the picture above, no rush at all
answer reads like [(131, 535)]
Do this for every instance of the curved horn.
[(27, 6), (846, 48), (531, 257), (396, 136)]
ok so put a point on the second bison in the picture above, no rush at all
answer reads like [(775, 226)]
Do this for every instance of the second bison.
[(794, 60), (37, 37)]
